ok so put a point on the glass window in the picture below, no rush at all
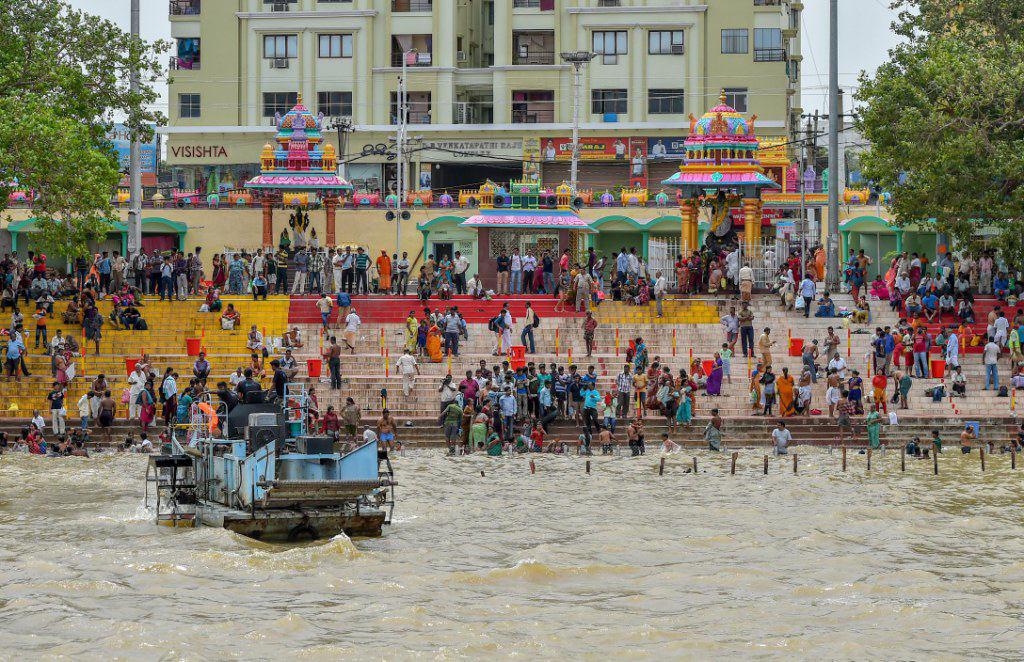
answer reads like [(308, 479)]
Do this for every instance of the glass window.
[(737, 98), (278, 102), (188, 106), (665, 42), (735, 41), (768, 45), (277, 46), (608, 101), (665, 102), (610, 42), (335, 45), (334, 104)]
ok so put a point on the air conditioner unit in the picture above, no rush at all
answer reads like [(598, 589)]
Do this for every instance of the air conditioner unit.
[(677, 49), (461, 56), (280, 6), (609, 59), (279, 63)]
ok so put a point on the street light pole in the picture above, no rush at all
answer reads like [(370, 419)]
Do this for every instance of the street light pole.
[(577, 59), (135, 153), (832, 251)]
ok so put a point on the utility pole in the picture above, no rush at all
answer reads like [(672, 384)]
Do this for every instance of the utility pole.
[(135, 154), (803, 200), (400, 150), (832, 250), (577, 59), (840, 177)]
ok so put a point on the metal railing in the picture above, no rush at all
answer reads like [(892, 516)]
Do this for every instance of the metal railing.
[(184, 64), (537, 112), (418, 61), (769, 54), (526, 4), (534, 57), (185, 7), (412, 5)]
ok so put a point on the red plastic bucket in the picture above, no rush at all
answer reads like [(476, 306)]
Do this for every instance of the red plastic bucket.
[(193, 346), (517, 352), (796, 346), (938, 368), (314, 367), (129, 365)]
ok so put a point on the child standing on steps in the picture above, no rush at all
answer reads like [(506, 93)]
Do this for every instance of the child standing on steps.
[(726, 356)]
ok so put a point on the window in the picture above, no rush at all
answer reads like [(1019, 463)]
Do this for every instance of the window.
[(533, 106), (609, 45), (188, 54), (335, 45), (609, 3), (188, 106), (735, 41), (608, 102), (417, 107), (334, 104), (276, 46), (665, 102), (411, 5), (278, 102), (737, 98), (414, 49), (665, 42), (768, 45)]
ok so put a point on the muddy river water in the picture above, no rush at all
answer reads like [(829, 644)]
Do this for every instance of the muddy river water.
[(621, 563)]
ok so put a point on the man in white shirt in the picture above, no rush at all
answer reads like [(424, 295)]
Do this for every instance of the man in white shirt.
[(781, 438), (461, 267), (408, 369), (807, 291), (336, 267), (352, 323), (838, 363), (991, 357), (236, 377), (1000, 328), (660, 288), (402, 282), (584, 283), (633, 264), (953, 348), (325, 305), (529, 266), (746, 282), (516, 267)]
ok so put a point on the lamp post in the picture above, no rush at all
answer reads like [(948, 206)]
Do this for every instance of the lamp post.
[(134, 159), (577, 59)]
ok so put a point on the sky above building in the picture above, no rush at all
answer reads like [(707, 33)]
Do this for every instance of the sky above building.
[(865, 36)]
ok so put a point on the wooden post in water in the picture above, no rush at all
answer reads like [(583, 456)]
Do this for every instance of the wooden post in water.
[(588, 467), (869, 459), (795, 456), (733, 469), (533, 467), (903, 459), (1013, 455), (844, 458), (981, 449), (765, 465), (482, 473), (661, 467), (935, 461), (694, 464)]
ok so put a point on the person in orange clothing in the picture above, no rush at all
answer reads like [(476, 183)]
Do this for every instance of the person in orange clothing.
[(879, 382), (784, 387), (384, 272)]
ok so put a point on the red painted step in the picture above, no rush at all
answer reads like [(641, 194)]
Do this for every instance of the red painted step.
[(394, 309)]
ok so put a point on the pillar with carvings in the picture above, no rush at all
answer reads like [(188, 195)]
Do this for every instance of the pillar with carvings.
[(330, 207), (688, 213), (268, 220), (751, 224)]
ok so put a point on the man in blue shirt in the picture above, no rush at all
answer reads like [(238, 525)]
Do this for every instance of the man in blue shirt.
[(591, 401), (931, 305), (507, 407), (15, 348), (104, 270), (808, 290)]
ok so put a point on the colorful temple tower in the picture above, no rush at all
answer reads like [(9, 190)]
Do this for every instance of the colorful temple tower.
[(720, 170), (299, 170)]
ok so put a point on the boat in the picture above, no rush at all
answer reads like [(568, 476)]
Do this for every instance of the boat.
[(258, 471)]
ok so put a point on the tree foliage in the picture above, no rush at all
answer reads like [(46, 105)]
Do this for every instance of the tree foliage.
[(944, 117), (64, 78)]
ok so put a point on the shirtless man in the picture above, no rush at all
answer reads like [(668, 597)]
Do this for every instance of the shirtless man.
[(635, 434), (606, 438), (967, 437), (386, 429)]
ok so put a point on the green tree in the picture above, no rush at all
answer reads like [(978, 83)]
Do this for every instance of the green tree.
[(64, 78), (944, 117)]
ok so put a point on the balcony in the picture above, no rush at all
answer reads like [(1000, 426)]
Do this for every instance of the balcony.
[(184, 63), (767, 3), (533, 106), (769, 54), (403, 6), (526, 4), (533, 48), (412, 59), (185, 7)]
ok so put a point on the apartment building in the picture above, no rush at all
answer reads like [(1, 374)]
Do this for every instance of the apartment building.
[(487, 86)]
